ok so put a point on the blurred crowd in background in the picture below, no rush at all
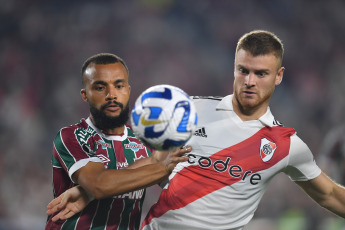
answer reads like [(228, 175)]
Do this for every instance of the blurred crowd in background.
[(186, 43)]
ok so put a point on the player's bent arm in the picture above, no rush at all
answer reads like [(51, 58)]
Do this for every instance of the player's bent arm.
[(101, 183), (96, 181), (326, 193), (76, 198)]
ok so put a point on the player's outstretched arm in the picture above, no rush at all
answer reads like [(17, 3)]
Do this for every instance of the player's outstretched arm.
[(103, 183), (157, 156), (326, 193), (76, 199)]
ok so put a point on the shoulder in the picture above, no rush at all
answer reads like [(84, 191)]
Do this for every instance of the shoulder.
[(298, 146), (81, 128), (205, 105)]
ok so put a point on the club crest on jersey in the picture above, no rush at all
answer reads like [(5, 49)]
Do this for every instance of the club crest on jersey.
[(267, 149)]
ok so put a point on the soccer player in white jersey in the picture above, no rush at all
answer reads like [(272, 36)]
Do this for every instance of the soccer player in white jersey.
[(91, 153), (238, 148)]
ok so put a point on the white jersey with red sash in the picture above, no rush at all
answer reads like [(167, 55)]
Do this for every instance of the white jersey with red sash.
[(228, 170), (74, 147)]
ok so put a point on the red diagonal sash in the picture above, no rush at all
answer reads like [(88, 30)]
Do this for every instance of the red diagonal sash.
[(194, 182)]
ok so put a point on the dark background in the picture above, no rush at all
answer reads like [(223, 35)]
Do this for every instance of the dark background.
[(186, 43)]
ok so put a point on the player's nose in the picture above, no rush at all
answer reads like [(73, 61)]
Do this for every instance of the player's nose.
[(111, 93), (250, 80)]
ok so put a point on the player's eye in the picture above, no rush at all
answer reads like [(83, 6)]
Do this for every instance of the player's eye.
[(261, 73), (243, 70), (99, 88)]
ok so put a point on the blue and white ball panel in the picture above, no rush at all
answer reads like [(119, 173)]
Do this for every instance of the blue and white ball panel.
[(164, 117)]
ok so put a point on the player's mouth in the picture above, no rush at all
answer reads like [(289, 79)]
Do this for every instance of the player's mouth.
[(248, 93), (112, 108)]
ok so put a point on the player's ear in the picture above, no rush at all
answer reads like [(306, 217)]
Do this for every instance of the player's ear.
[(280, 74), (83, 94)]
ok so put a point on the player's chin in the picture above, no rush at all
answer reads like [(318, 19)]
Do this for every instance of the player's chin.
[(249, 103)]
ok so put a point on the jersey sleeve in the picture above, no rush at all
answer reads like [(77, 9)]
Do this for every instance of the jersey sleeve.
[(73, 150), (302, 165)]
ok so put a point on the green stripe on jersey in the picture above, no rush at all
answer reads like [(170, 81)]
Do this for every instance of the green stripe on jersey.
[(129, 205), (70, 223), (101, 218), (130, 133), (111, 154), (63, 151), (129, 153), (55, 162)]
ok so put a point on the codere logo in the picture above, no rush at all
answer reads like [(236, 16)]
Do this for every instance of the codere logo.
[(222, 166), (200, 132)]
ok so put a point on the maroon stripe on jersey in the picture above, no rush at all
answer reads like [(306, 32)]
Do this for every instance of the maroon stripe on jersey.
[(61, 181), (194, 182), (114, 216), (54, 225), (120, 155), (87, 216)]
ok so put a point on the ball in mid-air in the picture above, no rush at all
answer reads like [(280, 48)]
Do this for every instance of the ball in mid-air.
[(164, 117)]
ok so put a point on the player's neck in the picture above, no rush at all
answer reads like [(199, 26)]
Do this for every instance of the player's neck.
[(115, 131), (249, 113)]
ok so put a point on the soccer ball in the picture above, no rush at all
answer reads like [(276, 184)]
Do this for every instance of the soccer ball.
[(164, 117)]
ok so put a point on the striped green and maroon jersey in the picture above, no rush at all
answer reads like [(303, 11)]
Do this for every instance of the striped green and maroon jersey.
[(74, 147)]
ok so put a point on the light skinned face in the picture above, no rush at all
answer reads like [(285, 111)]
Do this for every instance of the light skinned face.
[(254, 83), (105, 84)]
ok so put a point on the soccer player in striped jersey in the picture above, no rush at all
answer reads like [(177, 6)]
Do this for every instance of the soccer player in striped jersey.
[(237, 149), (103, 157)]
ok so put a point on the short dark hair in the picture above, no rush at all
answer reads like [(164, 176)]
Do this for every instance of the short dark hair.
[(102, 59), (261, 42)]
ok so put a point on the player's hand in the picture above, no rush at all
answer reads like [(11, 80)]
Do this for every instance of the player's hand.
[(172, 158), (68, 203)]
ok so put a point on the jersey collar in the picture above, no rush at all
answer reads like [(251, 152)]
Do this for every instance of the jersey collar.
[(226, 104)]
